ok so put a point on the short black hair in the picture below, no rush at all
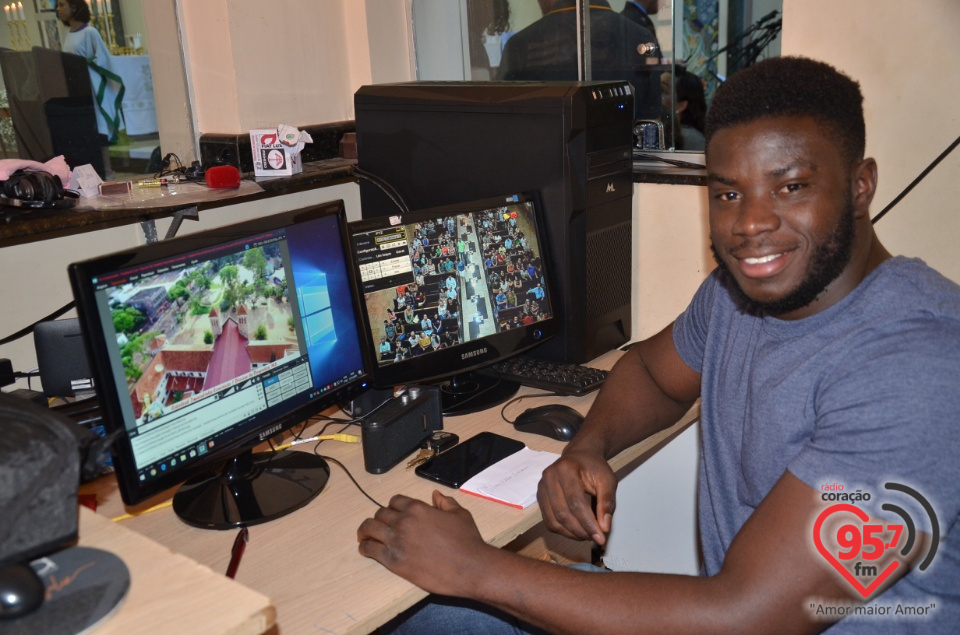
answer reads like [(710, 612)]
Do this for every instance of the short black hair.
[(792, 86), (79, 10), (689, 88)]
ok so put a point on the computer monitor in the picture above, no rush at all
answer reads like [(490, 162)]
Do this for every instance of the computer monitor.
[(204, 346), (449, 290)]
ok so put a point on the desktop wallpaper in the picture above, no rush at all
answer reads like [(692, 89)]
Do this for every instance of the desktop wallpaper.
[(319, 270)]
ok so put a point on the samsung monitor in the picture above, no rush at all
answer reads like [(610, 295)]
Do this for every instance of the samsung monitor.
[(449, 290), (204, 346)]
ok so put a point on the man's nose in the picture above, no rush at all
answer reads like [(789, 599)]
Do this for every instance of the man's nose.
[(756, 216)]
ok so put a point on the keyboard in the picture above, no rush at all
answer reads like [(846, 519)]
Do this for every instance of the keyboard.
[(558, 377)]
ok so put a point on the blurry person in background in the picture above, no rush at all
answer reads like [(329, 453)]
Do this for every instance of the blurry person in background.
[(639, 11), (486, 19), (84, 40), (684, 110), (619, 50)]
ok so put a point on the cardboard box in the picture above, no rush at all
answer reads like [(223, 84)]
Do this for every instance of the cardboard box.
[(272, 158)]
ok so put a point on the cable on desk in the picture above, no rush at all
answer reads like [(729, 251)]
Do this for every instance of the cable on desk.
[(520, 398), (349, 475), (343, 438), (338, 436), (342, 466)]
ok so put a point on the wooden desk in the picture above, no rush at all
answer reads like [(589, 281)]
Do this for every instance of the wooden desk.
[(308, 563), (169, 592)]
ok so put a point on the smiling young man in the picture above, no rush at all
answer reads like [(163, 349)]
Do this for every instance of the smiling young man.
[(823, 365)]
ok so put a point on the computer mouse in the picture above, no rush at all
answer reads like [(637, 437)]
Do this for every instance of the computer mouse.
[(553, 420), (21, 591)]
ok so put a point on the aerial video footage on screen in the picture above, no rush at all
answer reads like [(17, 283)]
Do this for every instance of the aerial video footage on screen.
[(208, 340)]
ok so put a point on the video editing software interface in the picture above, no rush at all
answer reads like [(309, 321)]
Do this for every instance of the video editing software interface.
[(445, 281), (211, 345)]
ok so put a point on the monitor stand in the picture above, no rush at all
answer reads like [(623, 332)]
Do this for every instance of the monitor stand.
[(472, 392), (252, 489)]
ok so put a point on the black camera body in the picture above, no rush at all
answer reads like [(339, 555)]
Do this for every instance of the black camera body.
[(397, 429)]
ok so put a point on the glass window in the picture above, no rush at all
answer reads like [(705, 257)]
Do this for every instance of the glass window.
[(674, 52), (76, 81)]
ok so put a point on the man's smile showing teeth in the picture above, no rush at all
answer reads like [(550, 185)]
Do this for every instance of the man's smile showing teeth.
[(757, 267), (762, 259)]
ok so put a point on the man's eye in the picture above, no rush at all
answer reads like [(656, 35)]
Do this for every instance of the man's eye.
[(727, 196), (793, 187)]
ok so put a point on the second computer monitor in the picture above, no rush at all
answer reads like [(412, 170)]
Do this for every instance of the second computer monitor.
[(451, 289)]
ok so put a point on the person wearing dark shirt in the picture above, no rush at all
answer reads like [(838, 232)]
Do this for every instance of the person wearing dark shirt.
[(639, 11), (547, 50)]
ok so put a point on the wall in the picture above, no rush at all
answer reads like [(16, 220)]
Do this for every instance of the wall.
[(252, 68), (902, 58), (248, 66), (671, 255)]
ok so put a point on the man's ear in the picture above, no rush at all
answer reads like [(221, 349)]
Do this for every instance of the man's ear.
[(864, 185)]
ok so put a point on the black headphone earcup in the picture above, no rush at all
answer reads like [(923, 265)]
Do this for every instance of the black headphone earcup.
[(33, 187)]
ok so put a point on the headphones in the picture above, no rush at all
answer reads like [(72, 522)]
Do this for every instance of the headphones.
[(35, 189)]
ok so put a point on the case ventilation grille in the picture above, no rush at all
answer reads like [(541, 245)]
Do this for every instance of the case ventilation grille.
[(608, 270)]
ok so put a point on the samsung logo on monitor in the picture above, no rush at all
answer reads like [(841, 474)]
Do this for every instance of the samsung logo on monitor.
[(269, 432), (479, 351)]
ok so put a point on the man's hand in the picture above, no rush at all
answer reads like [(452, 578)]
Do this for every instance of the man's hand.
[(566, 491), (437, 547), (648, 390)]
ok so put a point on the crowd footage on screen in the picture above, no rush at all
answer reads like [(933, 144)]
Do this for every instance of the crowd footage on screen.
[(514, 270), (473, 275), (425, 315)]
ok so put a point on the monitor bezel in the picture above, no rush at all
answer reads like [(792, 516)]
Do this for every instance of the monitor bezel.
[(132, 490), (470, 356)]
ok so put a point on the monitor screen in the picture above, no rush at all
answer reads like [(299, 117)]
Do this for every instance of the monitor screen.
[(451, 289), (204, 346)]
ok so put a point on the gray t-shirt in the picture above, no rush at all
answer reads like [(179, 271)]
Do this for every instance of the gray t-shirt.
[(864, 393)]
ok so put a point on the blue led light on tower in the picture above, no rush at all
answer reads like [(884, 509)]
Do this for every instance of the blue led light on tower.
[(314, 298)]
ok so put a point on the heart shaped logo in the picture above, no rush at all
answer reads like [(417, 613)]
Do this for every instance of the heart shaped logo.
[(862, 515)]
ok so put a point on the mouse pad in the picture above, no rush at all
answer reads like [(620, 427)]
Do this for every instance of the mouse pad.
[(84, 587)]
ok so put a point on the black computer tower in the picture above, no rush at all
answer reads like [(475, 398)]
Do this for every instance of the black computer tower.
[(437, 143)]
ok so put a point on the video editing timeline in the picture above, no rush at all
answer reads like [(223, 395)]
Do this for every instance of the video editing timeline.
[(440, 282), (205, 343)]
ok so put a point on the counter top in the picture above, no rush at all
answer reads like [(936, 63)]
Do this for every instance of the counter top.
[(681, 168), (19, 225)]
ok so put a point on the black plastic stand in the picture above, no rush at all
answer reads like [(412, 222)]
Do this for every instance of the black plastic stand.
[(252, 489), (473, 392)]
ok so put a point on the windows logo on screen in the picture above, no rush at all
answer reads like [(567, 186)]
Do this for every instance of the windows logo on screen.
[(316, 311)]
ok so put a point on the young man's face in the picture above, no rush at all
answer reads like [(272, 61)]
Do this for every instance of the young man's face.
[(782, 213)]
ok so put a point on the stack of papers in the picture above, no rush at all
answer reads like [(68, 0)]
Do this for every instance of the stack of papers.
[(512, 481)]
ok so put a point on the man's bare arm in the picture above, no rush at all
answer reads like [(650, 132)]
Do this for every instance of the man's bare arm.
[(769, 575), (649, 389)]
